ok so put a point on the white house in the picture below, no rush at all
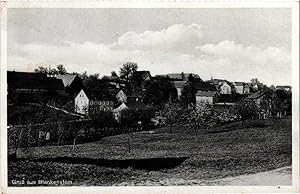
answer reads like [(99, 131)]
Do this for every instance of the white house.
[(117, 111), (239, 87), (207, 97), (225, 88), (246, 88), (81, 103), (121, 96)]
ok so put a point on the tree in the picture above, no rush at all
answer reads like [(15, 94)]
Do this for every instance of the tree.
[(128, 70), (42, 69), (202, 116), (172, 113), (158, 92), (114, 74), (61, 70), (247, 110), (188, 95)]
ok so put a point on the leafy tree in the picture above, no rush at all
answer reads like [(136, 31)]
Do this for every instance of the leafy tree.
[(114, 74), (41, 69), (61, 70), (128, 70), (188, 95), (101, 119), (247, 109), (202, 117), (172, 113)]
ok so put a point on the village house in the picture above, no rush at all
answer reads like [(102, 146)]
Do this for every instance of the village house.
[(33, 86), (256, 97), (246, 88), (81, 103), (130, 101), (138, 105), (239, 87), (86, 104), (207, 97), (284, 88), (226, 88), (121, 96), (72, 83), (101, 104), (114, 80), (216, 82)]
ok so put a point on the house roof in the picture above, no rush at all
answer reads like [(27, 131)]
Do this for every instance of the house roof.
[(135, 94), (141, 75), (15, 75), (284, 87), (67, 79), (239, 83), (255, 95), (203, 86), (23, 80), (206, 93), (179, 84)]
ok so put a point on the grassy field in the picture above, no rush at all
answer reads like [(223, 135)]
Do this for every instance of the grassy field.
[(225, 151)]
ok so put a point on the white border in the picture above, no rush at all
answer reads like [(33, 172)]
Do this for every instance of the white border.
[(153, 4)]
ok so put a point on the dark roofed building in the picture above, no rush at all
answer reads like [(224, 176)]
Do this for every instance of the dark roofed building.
[(72, 83), (32, 87), (22, 82), (256, 97), (285, 88), (204, 86)]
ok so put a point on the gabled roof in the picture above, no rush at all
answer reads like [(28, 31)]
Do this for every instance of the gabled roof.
[(203, 86), (141, 75), (67, 79), (256, 95), (134, 94), (206, 93), (238, 83), (283, 87), (179, 84)]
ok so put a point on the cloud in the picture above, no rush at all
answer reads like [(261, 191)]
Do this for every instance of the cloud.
[(174, 49), (176, 37)]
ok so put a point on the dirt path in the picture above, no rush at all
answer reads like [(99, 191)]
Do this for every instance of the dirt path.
[(277, 177)]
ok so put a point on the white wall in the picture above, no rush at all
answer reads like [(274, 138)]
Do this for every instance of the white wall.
[(81, 103), (239, 89), (225, 89), (204, 99)]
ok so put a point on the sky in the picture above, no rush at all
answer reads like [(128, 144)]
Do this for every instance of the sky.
[(232, 44)]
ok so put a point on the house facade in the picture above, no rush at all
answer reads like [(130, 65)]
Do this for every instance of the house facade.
[(121, 96), (239, 87), (225, 88), (206, 97), (82, 103), (101, 105), (246, 88)]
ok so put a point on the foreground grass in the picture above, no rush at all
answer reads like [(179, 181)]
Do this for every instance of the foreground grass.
[(229, 151)]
